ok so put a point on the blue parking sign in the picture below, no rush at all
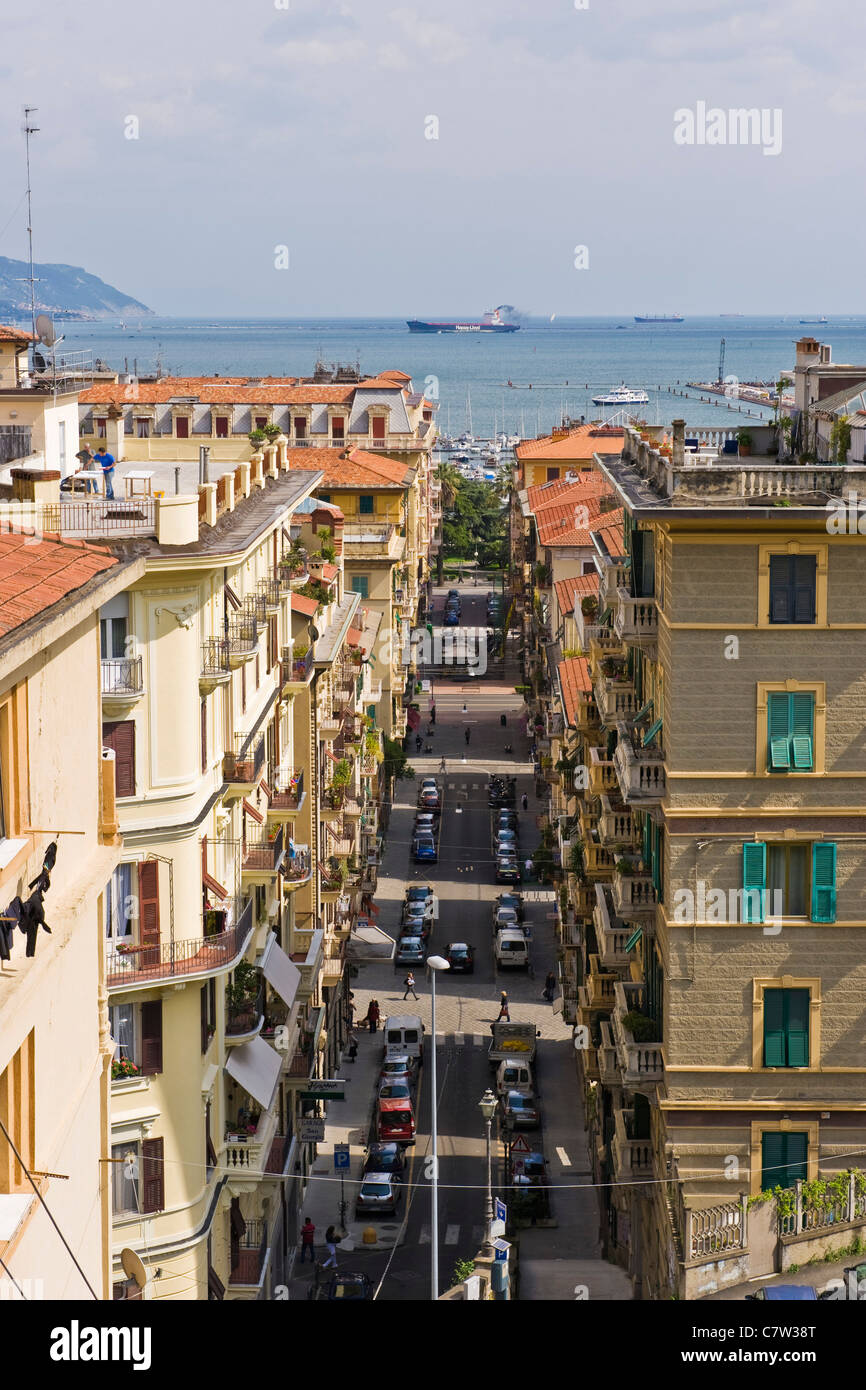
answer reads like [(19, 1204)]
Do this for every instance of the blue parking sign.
[(341, 1156)]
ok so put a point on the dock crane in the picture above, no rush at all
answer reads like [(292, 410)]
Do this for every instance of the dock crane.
[(721, 376)]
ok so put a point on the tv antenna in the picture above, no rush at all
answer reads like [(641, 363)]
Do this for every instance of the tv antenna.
[(30, 129)]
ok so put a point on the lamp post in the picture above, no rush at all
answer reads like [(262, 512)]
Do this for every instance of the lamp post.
[(434, 965), (487, 1106)]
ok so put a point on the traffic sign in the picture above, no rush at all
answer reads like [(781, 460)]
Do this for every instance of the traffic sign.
[(520, 1146), (341, 1156), (501, 1248), (500, 1210), (312, 1131)]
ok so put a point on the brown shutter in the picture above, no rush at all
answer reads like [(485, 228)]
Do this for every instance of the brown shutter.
[(210, 1151), (151, 1038), (205, 1030), (121, 737), (272, 643), (243, 688), (148, 900), (153, 1175), (204, 735)]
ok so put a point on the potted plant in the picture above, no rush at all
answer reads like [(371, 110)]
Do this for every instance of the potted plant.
[(257, 439), (744, 440), (124, 1069), (589, 606), (316, 564), (642, 1029), (272, 432)]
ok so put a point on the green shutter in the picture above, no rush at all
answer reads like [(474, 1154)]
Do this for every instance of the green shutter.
[(772, 1161), (657, 858), (824, 882), (774, 1027), (795, 1150), (797, 1026), (634, 939), (802, 724), (754, 881), (778, 732), (647, 840), (651, 733)]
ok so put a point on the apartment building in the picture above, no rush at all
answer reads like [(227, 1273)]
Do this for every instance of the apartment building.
[(38, 410), (59, 845), (712, 933)]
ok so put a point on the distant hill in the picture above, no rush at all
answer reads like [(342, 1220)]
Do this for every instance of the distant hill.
[(66, 291)]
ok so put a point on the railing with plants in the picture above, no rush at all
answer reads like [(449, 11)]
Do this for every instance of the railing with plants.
[(820, 1204)]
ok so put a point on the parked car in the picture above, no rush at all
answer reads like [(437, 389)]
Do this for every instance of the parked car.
[(429, 800), (404, 1037), (378, 1193), (425, 850), (410, 951), (506, 819), (514, 901), (416, 926), (510, 950), (461, 957), (506, 840), (348, 1287), (425, 908), (389, 1089), (784, 1293), (395, 1120), (384, 1158), (507, 869), (419, 892), (428, 782), (520, 1111), (452, 618), (425, 820), (514, 1076), (533, 1174), (505, 918), (399, 1069)]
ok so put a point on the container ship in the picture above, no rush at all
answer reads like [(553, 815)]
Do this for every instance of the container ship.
[(492, 322), (658, 318)]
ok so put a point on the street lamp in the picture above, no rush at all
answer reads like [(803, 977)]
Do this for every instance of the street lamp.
[(434, 965), (487, 1106)]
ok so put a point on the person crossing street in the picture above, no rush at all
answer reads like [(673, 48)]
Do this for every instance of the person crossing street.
[(409, 982), (503, 1007)]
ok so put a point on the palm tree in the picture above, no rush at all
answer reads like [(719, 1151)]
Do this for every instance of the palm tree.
[(449, 478)]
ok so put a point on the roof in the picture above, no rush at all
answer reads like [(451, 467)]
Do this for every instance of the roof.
[(215, 391), (314, 504), (307, 606), (8, 334), (569, 590), (37, 573), (576, 489), (329, 572), (574, 680), (579, 443), (345, 468), (610, 531), (561, 523)]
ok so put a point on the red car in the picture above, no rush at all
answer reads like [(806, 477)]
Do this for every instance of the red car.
[(395, 1122)]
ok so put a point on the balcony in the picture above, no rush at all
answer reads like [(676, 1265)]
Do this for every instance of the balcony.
[(243, 640), (636, 621), (602, 774), (332, 880), (287, 795), (243, 767), (640, 771), (586, 713), (262, 856), (256, 609), (297, 867), (211, 952), (342, 848), (614, 576), (122, 680), (269, 590), (329, 728), (216, 668), (641, 1062), (599, 986), (608, 1062), (616, 699), (331, 804), (243, 1156), (611, 932), (252, 1257), (616, 824), (334, 963), (352, 809), (632, 893), (632, 1153), (244, 1018), (290, 575)]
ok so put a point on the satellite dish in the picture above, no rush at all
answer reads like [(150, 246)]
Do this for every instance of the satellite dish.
[(314, 633), (45, 330), (133, 1267)]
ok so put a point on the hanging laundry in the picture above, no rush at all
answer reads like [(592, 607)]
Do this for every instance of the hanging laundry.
[(11, 917)]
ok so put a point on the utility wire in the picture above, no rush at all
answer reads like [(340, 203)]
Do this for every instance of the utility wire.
[(47, 1211)]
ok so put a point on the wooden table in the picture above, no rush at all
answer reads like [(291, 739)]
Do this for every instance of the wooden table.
[(134, 477)]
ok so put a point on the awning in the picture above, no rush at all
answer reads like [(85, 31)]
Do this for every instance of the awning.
[(255, 1066), (642, 714), (634, 939), (212, 886), (280, 972), (651, 733), (251, 811), (604, 617)]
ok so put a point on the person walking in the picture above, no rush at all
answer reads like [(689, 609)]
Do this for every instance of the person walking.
[(527, 869), (308, 1236), (106, 462), (331, 1242), (442, 764), (524, 801), (418, 742), (409, 982), (432, 714), (372, 1019), (550, 986), (503, 1007), (353, 1048), (502, 720), (85, 458), (467, 733)]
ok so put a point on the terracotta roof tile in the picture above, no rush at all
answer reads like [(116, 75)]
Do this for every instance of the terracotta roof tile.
[(578, 586), (329, 572), (560, 524), (574, 679), (611, 531), (580, 443), (306, 606), (36, 573), (542, 495), (348, 468), (8, 334)]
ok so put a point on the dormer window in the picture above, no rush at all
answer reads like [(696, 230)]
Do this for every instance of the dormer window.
[(181, 427), (338, 427), (378, 429)]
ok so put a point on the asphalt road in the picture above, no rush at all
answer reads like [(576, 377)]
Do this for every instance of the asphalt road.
[(463, 879)]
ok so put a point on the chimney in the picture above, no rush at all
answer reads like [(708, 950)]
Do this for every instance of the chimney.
[(203, 463), (679, 443)]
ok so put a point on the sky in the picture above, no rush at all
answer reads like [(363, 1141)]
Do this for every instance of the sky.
[(366, 157)]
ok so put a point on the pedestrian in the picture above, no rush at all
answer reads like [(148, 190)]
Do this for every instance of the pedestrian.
[(527, 868), (418, 742), (86, 465), (373, 1015), (466, 733), (409, 982), (332, 1240), (106, 463), (503, 721), (503, 1007), (465, 711), (351, 1010), (308, 1236), (524, 801), (442, 765), (353, 1048), (432, 714), (550, 986)]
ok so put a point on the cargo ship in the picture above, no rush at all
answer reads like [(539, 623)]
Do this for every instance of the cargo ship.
[(658, 318), (492, 322)]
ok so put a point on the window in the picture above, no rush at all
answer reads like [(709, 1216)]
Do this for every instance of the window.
[(338, 427), (261, 421), (121, 737), (119, 901), (61, 444), (379, 428), (101, 429), (208, 1013), (787, 869), (300, 424), (221, 427), (786, 1027), (793, 588), (790, 731), (18, 1113), (552, 475), (204, 735), (783, 1159), (138, 1177), (366, 506), (142, 427), (324, 497), (112, 637), (181, 427), (137, 1031), (360, 584)]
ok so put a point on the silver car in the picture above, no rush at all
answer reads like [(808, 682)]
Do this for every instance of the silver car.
[(379, 1192)]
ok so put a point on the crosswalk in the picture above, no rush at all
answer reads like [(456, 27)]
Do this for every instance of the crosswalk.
[(464, 1039), (472, 1235)]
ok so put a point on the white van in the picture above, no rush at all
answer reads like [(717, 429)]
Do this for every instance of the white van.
[(404, 1036), (510, 949), (514, 1076)]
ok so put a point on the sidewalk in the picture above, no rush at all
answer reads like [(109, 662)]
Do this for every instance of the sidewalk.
[(347, 1122)]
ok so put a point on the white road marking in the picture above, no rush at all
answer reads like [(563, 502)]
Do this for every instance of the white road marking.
[(452, 1235), (440, 1039), (563, 1158), (458, 1039), (424, 1238), (478, 1039)]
